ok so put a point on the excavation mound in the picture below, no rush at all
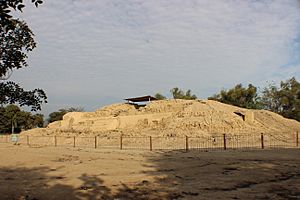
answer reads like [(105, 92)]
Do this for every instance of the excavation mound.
[(169, 118)]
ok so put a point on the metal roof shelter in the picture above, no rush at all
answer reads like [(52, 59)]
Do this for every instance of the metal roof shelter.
[(141, 99)]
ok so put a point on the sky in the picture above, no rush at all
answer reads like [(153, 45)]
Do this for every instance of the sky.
[(91, 53)]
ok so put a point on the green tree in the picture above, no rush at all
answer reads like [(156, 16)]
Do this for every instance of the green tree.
[(239, 96), (159, 96), (3, 120), (180, 94), (28, 121), (284, 100), (16, 40), (38, 120), (12, 112), (58, 115), (13, 119)]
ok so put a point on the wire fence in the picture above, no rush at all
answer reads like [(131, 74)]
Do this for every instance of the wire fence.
[(223, 141)]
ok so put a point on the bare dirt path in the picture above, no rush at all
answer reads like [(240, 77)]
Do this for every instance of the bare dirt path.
[(71, 173)]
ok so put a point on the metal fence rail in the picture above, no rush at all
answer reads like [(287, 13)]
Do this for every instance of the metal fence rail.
[(211, 142), (223, 141), (243, 141), (108, 142)]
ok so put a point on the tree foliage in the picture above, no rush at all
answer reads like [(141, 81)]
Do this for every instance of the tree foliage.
[(11, 93), (180, 94), (58, 115), (284, 99), (16, 40), (159, 96), (13, 119), (239, 96)]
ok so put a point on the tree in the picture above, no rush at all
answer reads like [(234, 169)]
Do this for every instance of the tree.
[(73, 109), (11, 112), (159, 96), (13, 119), (284, 100), (16, 40), (38, 120), (3, 120), (180, 94), (11, 93), (58, 115), (239, 96), (28, 121)]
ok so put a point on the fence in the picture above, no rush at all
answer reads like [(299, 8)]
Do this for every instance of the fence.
[(225, 141)]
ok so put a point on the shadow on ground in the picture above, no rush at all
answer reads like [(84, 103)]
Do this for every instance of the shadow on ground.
[(36, 184), (242, 174), (269, 174)]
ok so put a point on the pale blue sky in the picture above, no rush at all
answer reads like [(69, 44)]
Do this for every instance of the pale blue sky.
[(95, 52)]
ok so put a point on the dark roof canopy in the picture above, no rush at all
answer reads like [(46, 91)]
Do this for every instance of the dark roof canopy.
[(141, 99)]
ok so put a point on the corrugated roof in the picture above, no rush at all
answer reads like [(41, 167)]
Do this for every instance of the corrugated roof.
[(140, 99)]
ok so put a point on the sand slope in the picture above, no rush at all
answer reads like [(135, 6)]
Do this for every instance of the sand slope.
[(170, 118)]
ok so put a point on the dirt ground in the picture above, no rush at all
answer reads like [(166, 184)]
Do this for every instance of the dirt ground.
[(33, 173)]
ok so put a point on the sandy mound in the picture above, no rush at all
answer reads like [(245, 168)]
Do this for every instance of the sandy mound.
[(169, 118)]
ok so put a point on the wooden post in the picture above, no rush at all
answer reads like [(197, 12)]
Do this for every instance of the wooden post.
[(55, 141), (186, 143), (121, 142), (74, 141), (224, 141), (150, 143), (95, 142), (262, 140), (297, 139), (6, 139), (28, 140)]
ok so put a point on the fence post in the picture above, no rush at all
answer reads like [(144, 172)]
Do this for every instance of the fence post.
[(262, 140), (55, 141), (121, 142), (150, 143), (186, 143), (224, 141), (74, 141), (27, 140), (95, 142), (6, 139), (297, 139)]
